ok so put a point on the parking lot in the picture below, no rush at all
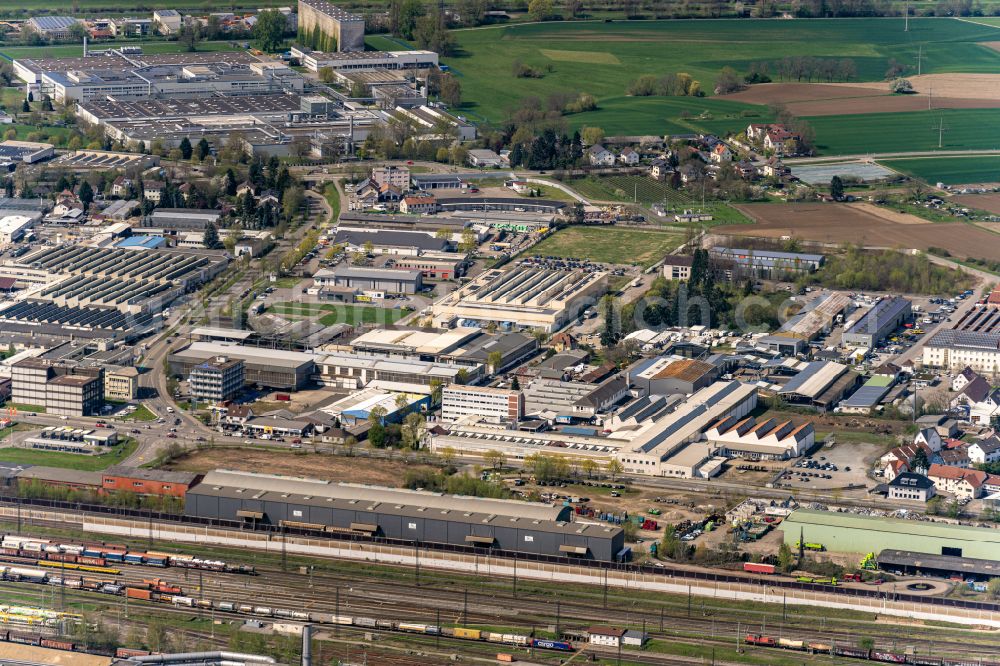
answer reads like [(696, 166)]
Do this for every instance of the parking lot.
[(842, 465)]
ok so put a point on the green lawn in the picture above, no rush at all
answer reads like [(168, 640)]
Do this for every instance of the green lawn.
[(141, 414), (362, 314), (336, 313), (22, 409), (610, 245), (641, 189), (670, 115), (69, 460), (950, 170), (600, 58)]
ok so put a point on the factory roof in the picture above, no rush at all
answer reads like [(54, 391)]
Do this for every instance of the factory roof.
[(815, 378), (251, 355), (965, 340), (60, 475), (368, 273), (331, 10), (685, 370), (415, 341), (254, 485), (965, 565), (142, 242), (871, 393), (958, 533), (391, 238), (221, 333), (45, 23), (166, 476), (887, 309)]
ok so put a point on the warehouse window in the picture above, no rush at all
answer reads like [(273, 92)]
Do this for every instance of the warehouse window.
[(529, 538), (412, 526)]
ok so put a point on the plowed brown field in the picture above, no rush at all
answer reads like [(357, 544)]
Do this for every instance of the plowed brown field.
[(850, 223), (949, 91)]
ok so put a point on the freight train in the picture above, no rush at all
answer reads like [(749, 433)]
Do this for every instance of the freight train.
[(25, 638), (101, 555), (159, 591), (881, 656)]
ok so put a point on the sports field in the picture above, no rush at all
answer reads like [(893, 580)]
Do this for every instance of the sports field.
[(950, 170), (585, 56), (609, 245)]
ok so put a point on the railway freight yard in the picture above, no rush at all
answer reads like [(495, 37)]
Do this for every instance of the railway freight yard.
[(423, 614)]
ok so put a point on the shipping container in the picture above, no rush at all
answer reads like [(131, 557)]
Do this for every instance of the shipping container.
[(136, 593), (93, 561), (754, 567), (505, 658), (341, 619), (461, 632), (365, 622)]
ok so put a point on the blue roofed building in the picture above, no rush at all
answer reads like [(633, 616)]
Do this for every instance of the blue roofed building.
[(867, 398), (142, 242)]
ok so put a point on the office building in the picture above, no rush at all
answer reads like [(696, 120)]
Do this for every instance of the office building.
[(955, 350), (273, 368), (494, 405), (60, 389), (121, 384), (143, 481), (217, 379), (371, 280), (768, 264)]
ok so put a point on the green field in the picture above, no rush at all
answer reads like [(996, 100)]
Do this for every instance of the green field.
[(640, 189), (609, 245), (69, 50), (336, 313), (70, 460), (950, 170), (965, 129), (142, 413), (586, 56), (670, 115)]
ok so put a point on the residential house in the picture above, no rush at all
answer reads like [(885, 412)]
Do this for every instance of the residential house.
[(745, 169), (600, 156), (659, 169), (756, 131), (929, 437), (244, 187), (987, 411), (955, 457), (894, 469), (956, 481), (910, 486), (677, 267), (720, 153), (628, 156), (985, 451), (563, 342), (775, 168), (689, 173), (121, 187), (418, 204), (153, 190), (390, 194), (963, 378), (235, 416), (905, 454), (779, 140), (975, 390)]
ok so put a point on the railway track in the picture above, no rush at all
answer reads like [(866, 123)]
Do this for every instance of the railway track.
[(443, 604)]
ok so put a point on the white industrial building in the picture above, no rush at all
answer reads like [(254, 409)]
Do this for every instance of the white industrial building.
[(523, 298), (14, 224), (955, 350), (495, 405), (653, 436)]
